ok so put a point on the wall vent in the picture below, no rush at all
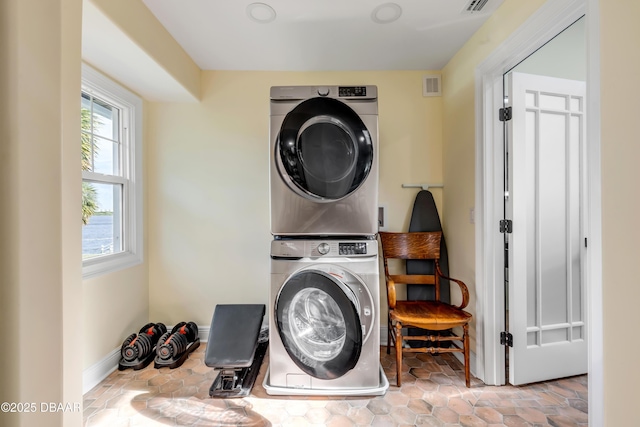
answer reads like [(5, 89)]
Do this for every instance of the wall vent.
[(431, 85), (475, 6)]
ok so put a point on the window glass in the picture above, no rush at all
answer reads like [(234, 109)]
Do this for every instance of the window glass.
[(106, 156), (101, 234)]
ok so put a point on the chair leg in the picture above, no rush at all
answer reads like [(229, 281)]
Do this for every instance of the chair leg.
[(398, 354), (465, 343), (390, 334)]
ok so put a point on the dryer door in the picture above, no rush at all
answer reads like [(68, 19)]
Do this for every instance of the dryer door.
[(319, 324), (324, 151)]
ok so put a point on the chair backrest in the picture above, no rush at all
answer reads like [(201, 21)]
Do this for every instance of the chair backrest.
[(412, 245)]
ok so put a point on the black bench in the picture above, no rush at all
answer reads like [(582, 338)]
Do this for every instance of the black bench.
[(234, 348)]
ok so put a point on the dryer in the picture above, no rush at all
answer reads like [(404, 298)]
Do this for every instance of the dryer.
[(324, 160), (324, 326)]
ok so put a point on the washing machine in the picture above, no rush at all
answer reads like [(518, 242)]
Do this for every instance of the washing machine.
[(324, 160), (324, 326)]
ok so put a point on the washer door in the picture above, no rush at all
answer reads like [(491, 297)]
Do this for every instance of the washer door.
[(319, 324), (324, 151)]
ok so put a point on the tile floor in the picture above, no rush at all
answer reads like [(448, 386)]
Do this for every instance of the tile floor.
[(432, 394)]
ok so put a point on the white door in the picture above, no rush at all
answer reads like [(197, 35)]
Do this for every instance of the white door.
[(546, 196)]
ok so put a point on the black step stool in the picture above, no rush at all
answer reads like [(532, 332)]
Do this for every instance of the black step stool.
[(233, 348)]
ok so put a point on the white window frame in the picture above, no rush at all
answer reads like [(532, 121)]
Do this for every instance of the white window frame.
[(100, 86)]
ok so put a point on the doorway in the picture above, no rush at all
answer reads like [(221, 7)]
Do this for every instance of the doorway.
[(545, 195), (550, 19)]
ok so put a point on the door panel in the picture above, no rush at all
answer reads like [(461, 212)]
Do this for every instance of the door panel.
[(324, 150), (546, 199), (319, 324)]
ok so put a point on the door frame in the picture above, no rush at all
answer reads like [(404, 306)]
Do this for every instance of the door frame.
[(548, 21)]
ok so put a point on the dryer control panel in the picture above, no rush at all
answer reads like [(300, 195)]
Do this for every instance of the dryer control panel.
[(363, 92), (348, 91)]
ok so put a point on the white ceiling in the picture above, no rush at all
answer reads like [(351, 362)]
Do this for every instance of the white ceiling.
[(310, 35)]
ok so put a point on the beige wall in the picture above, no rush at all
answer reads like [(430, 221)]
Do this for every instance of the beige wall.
[(9, 296), (208, 182), (39, 81), (620, 95), (71, 198), (115, 305)]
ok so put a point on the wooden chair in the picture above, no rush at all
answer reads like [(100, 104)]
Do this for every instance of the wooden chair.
[(433, 315)]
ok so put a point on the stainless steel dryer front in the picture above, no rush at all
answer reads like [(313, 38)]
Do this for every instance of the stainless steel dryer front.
[(324, 160), (324, 327)]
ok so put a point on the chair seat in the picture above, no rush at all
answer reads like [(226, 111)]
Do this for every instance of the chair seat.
[(432, 315)]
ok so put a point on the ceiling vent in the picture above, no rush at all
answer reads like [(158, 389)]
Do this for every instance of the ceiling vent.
[(431, 85), (475, 6)]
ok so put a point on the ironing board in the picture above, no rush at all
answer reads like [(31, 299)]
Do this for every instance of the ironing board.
[(424, 217)]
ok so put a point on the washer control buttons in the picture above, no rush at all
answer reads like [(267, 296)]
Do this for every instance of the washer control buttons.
[(359, 248), (323, 248), (323, 91)]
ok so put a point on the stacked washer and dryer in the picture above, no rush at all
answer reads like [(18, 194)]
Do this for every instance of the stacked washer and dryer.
[(324, 298)]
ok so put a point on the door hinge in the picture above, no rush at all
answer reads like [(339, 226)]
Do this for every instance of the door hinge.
[(506, 225), (506, 255), (504, 114), (506, 339)]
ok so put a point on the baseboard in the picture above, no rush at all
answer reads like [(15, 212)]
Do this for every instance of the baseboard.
[(459, 356), (203, 333), (94, 374)]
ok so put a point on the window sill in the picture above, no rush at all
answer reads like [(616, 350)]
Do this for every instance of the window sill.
[(104, 265)]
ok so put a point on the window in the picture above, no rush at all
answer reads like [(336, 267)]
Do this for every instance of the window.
[(111, 145)]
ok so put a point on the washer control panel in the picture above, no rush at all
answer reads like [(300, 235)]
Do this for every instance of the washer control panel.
[(302, 248), (352, 248)]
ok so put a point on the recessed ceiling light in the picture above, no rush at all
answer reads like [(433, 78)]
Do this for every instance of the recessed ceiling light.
[(261, 12), (386, 13)]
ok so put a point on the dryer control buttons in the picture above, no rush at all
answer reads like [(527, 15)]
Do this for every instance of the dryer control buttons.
[(359, 248), (352, 91), (323, 248)]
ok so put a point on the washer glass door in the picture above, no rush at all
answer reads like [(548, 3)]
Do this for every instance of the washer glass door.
[(324, 151), (319, 324)]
